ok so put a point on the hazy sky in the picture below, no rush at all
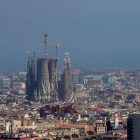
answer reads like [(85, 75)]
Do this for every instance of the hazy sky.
[(96, 33)]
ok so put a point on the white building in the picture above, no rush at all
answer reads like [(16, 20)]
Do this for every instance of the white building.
[(79, 90), (5, 82), (18, 85), (112, 79)]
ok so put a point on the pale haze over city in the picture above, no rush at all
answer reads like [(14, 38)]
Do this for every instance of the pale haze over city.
[(97, 34), (69, 70)]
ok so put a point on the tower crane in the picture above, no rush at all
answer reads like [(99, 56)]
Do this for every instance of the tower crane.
[(45, 44), (56, 45), (34, 52)]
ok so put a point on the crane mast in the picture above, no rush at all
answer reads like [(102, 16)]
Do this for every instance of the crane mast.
[(34, 52), (45, 44)]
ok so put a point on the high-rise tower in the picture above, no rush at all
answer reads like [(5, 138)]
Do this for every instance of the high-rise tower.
[(28, 80), (32, 76), (45, 87), (33, 86), (31, 90), (43, 83), (67, 79), (52, 75), (133, 126), (69, 73)]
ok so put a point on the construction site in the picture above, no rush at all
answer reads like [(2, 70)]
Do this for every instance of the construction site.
[(44, 85)]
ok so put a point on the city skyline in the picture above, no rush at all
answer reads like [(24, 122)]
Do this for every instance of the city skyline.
[(69, 70), (96, 34)]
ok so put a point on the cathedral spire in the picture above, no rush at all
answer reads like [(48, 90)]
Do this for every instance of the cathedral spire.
[(28, 80)]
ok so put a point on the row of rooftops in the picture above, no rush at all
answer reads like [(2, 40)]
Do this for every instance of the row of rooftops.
[(104, 101)]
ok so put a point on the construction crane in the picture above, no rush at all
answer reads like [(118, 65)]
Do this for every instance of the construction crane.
[(45, 44), (34, 52), (57, 45)]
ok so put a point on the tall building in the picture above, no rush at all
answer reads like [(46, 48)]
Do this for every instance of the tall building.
[(32, 79), (56, 69), (65, 81), (112, 79), (69, 74), (28, 80), (105, 79), (75, 78), (133, 127), (31, 89), (45, 87), (67, 86), (53, 77), (43, 83)]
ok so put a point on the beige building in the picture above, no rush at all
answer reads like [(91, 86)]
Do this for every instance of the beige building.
[(79, 90), (21, 124), (101, 127), (18, 85), (2, 126)]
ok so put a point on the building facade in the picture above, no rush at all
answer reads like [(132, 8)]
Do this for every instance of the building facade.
[(133, 127), (4, 82)]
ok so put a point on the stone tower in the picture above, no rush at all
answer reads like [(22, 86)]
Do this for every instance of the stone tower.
[(43, 83), (67, 79), (28, 80)]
